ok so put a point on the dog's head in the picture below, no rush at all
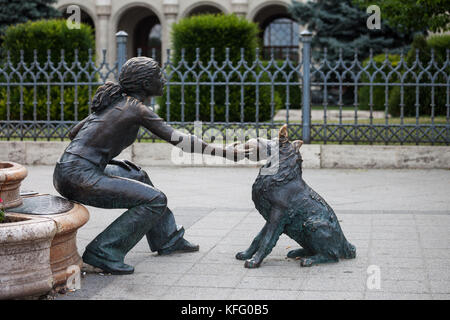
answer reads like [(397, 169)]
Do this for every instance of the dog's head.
[(284, 142)]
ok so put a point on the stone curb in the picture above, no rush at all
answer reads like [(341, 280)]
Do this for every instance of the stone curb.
[(314, 156)]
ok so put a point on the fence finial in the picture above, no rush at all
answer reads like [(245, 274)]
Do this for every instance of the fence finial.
[(121, 39)]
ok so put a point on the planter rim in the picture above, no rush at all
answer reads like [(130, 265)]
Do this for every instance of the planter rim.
[(14, 172), (26, 230)]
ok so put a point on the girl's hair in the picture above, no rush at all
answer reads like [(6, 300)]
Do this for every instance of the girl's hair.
[(133, 72)]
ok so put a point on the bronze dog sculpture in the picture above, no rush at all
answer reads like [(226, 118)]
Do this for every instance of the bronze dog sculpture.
[(291, 207)]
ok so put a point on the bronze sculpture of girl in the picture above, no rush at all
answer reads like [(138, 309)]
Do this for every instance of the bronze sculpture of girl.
[(88, 173)]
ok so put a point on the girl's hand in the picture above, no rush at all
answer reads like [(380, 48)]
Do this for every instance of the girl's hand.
[(253, 149), (232, 152), (127, 165)]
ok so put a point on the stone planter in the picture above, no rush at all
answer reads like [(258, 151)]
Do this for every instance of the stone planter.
[(11, 176), (24, 256), (68, 217), (38, 238), (64, 252)]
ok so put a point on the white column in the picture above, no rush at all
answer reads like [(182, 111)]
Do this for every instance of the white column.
[(103, 11), (240, 7), (170, 8)]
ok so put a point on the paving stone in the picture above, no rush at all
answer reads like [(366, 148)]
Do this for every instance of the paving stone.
[(214, 233), (196, 293), (406, 252), (436, 253), (395, 273), (399, 244), (211, 281), (440, 286), (439, 296), (435, 243), (394, 235), (330, 295), (288, 269), (404, 286), (390, 262), (274, 283), (213, 257), (325, 283), (157, 267), (217, 269), (135, 292), (396, 296), (263, 294)]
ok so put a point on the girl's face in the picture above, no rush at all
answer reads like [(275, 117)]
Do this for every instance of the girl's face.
[(155, 87), (159, 84)]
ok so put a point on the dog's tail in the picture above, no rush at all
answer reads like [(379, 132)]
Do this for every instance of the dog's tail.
[(349, 251)]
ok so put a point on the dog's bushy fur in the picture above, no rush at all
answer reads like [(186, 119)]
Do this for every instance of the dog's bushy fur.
[(290, 206)]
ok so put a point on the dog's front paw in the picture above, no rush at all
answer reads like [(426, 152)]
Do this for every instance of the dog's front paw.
[(251, 264), (243, 255)]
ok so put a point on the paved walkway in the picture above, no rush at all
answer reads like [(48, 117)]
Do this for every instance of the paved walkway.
[(399, 221)]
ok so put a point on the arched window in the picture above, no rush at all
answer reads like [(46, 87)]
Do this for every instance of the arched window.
[(281, 36)]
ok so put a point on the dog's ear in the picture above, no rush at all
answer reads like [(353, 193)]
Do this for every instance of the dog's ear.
[(283, 133), (297, 144)]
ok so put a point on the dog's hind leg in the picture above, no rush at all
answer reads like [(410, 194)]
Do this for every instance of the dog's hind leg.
[(299, 253), (274, 228), (247, 254)]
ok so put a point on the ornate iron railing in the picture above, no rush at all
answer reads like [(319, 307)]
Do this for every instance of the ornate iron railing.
[(398, 100)]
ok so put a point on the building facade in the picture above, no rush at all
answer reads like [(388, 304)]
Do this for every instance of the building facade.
[(148, 22)]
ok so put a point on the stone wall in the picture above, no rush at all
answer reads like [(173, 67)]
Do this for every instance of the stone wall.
[(314, 156)]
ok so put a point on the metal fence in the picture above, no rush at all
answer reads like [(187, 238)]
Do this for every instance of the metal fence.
[(393, 101)]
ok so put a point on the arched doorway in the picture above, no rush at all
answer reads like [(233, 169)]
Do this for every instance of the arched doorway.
[(279, 32), (144, 32), (204, 9), (147, 38)]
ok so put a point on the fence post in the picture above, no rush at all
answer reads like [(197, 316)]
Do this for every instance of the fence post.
[(305, 38), (121, 39)]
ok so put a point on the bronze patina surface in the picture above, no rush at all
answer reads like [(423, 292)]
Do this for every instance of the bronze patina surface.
[(291, 207), (88, 172)]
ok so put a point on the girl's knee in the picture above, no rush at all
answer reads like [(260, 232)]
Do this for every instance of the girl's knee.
[(160, 200), (143, 177)]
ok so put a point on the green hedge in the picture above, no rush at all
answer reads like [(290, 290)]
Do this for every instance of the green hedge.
[(219, 32), (440, 43), (40, 36), (379, 98)]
